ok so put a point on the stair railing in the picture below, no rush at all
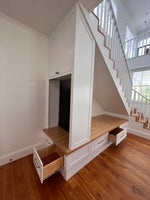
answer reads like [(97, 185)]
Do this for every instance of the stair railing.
[(138, 46), (108, 27), (141, 106)]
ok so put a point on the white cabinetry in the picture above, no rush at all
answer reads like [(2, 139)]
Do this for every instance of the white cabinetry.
[(82, 84), (61, 47), (78, 159)]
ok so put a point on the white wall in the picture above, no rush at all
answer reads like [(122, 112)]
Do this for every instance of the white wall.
[(62, 46), (123, 18), (23, 85), (137, 63), (96, 108)]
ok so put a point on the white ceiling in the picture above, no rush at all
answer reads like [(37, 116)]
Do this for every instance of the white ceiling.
[(137, 10), (42, 15)]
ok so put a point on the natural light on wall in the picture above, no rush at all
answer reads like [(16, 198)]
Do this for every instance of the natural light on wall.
[(141, 82)]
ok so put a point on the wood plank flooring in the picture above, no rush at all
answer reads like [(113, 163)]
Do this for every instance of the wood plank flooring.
[(119, 173)]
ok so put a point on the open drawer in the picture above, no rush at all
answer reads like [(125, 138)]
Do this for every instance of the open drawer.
[(47, 161), (117, 135)]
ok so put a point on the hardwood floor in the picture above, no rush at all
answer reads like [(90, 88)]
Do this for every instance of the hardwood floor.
[(119, 173)]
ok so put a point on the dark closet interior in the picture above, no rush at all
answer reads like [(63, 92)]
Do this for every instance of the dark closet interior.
[(64, 103)]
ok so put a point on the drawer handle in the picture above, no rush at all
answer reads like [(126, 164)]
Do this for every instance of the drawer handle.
[(100, 142), (122, 135), (48, 141)]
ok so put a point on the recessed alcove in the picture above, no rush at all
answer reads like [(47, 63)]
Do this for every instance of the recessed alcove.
[(59, 102)]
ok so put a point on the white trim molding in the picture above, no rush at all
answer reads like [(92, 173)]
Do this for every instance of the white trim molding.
[(117, 115), (20, 153), (139, 133)]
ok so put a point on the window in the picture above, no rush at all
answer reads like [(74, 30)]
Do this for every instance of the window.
[(144, 46), (141, 82)]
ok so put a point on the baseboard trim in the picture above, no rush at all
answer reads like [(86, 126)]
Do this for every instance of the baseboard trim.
[(117, 115), (139, 133), (15, 155)]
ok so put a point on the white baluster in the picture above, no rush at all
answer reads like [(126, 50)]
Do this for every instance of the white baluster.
[(101, 17)]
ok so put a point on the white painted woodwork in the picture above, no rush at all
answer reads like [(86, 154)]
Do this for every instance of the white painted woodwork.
[(46, 140), (117, 50), (124, 18), (61, 47), (82, 84), (136, 128), (54, 92), (38, 164), (139, 63), (96, 144), (78, 159), (111, 75), (54, 86), (119, 137)]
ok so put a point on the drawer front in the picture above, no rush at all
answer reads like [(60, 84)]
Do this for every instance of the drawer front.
[(47, 161), (46, 140), (121, 136), (74, 158), (98, 143), (38, 164), (117, 138)]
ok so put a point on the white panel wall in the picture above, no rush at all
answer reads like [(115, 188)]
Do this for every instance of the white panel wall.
[(61, 46), (96, 108), (23, 85), (140, 62), (82, 84)]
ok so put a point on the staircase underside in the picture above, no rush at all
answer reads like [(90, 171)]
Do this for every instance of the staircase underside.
[(104, 88), (107, 88)]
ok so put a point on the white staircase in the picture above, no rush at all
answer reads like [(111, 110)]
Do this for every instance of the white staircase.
[(103, 26)]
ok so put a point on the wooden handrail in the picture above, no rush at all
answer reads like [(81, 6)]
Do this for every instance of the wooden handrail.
[(141, 95)]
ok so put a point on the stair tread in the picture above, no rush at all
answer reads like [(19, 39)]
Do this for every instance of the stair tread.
[(135, 114), (143, 121)]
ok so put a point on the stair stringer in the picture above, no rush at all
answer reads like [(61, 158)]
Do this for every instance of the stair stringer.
[(136, 128), (105, 52)]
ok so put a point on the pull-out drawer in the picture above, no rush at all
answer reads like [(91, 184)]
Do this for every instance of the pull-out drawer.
[(76, 157), (117, 135), (98, 143), (46, 140), (47, 161)]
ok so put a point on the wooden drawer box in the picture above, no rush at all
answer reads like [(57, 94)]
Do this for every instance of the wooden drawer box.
[(47, 161), (117, 135)]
